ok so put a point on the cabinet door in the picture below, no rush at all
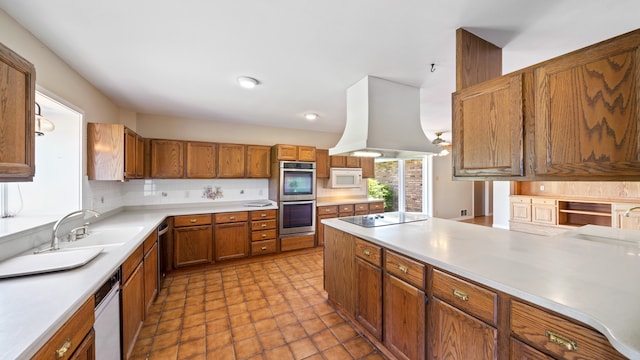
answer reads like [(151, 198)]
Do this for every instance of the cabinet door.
[(231, 160), (543, 214), (369, 297), (167, 157), (322, 164), (368, 167), (404, 318), (521, 351), (201, 160), (258, 161), (17, 106), (586, 121), (306, 153), (130, 148), (139, 157), (286, 152), (488, 129), (458, 335), (86, 349), (338, 161), (520, 212), (192, 245), (132, 301), (353, 162), (320, 227), (632, 222), (150, 276), (231, 241)]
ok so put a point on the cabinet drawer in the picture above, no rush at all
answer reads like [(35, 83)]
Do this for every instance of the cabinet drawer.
[(369, 252), (191, 220), (544, 201), (559, 336), (404, 268), (361, 208), (297, 242), (65, 341), (520, 199), (132, 262), (263, 235), (263, 215), (468, 297), (325, 210), (263, 247), (222, 218), (149, 241), (345, 208), (376, 207), (263, 225)]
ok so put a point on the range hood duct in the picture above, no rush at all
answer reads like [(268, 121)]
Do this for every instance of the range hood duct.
[(384, 117)]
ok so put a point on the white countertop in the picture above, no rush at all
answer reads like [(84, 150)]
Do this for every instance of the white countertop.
[(592, 282), (33, 307)]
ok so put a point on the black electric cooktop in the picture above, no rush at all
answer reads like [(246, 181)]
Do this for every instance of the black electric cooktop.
[(388, 218)]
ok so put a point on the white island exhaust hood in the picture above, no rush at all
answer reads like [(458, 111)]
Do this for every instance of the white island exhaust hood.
[(383, 117)]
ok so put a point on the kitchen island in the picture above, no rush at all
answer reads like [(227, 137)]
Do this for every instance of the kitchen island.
[(590, 282)]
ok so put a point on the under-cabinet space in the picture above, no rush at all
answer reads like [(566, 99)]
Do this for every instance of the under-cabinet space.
[(577, 213)]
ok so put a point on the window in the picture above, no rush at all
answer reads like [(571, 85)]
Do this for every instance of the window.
[(406, 179)]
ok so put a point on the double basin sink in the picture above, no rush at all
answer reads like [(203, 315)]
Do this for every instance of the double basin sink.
[(72, 254)]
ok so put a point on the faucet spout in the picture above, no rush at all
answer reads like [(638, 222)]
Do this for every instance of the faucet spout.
[(55, 242), (628, 212)]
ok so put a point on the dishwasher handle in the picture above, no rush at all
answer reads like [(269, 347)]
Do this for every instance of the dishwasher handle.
[(163, 228)]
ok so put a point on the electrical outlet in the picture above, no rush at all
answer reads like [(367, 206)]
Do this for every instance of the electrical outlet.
[(541, 187), (463, 212)]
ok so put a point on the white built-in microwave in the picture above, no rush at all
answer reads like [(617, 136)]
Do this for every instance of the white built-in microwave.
[(345, 178)]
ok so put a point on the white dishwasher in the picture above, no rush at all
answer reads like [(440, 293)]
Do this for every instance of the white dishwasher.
[(107, 322)]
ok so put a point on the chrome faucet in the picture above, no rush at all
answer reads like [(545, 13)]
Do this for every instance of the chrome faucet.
[(628, 212), (55, 242)]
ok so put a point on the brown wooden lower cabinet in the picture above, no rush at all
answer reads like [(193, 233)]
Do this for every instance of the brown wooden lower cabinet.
[(192, 245), (404, 319), (458, 335), (231, 240), (87, 348), (522, 351), (132, 302), (150, 275), (369, 297)]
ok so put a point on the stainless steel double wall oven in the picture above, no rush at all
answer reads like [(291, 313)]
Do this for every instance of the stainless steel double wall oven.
[(296, 196)]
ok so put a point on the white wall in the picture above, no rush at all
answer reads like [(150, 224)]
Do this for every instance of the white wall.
[(501, 192), (448, 196)]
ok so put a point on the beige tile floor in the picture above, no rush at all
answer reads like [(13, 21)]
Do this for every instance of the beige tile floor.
[(274, 308)]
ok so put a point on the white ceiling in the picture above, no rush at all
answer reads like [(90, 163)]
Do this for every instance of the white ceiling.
[(182, 58)]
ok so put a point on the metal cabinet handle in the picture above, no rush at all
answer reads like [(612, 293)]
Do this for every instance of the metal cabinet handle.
[(563, 341), (460, 294), (263, 248), (193, 220), (63, 349), (403, 268), (366, 252), (264, 235), (263, 215), (263, 225), (232, 217)]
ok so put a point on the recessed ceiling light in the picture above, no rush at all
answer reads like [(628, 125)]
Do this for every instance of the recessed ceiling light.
[(247, 82), (311, 116)]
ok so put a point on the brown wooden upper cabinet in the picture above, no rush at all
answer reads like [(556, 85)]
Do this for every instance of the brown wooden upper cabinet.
[(167, 159), (17, 117), (293, 153), (322, 163), (488, 128), (258, 161), (368, 167), (114, 152), (201, 159), (338, 161), (587, 114), (231, 160)]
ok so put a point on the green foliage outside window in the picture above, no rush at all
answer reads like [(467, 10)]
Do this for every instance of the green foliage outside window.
[(378, 190)]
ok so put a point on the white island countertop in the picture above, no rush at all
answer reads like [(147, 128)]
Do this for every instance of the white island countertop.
[(592, 282), (32, 308)]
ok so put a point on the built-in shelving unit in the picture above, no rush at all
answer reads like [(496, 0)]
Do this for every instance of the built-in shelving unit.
[(579, 213)]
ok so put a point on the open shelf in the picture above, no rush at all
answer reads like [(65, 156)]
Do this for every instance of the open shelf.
[(579, 213)]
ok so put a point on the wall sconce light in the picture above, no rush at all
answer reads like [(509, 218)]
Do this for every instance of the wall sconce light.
[(42, 123)]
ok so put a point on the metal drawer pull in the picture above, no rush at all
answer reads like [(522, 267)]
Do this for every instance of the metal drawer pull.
[(460, 294), (263, 215), (232, 217), (366, 252), (264, 235), (566, 343), (403, 268), (63, 349), (264, 248), (263, 225), (193, 220)]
